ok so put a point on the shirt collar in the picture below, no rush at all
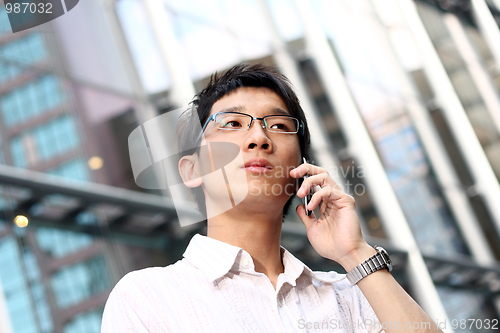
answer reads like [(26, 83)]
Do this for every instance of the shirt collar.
[(216, 258), (213, 257)]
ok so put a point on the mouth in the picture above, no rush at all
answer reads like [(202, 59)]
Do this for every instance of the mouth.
[(260, 165), (257, 169)]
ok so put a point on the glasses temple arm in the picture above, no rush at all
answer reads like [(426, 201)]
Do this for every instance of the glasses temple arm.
[(204, 128)]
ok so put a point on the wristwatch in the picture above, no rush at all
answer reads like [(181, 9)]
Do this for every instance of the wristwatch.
[(374, 263)]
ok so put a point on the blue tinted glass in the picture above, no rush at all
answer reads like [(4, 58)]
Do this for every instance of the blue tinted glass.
[(89, 322), (38, 290), (59, 243), (44, 142), (56, 137), (15, 287), (75, 169), (31, 100), (19, 54), (18, 154), (24, 51), (407, 168), (8, 71), (73, 284), (4, 22)]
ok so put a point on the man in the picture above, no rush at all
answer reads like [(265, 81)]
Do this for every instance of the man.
[(238, 278)]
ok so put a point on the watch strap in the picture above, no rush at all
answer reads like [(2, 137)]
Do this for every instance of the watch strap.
[(376, 262)]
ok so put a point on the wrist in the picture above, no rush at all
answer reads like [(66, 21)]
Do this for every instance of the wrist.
[(356, 257)]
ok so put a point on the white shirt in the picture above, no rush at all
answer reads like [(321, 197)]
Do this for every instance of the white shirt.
[(215, 288)]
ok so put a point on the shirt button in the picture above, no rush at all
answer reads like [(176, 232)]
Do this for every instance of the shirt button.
[(245, 262)]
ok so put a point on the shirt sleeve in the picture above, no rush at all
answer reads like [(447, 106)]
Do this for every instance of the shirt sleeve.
[(128, 310)]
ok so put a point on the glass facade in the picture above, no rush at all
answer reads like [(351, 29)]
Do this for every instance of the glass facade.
[(465, 80), (43, 272), (4, 22), (89, 322), (31, 100), (370, 71), (75, 169), (46, 141), (23, 290), (21, 54), (80, 281), (370, 67), (60, 243), (232, 32)]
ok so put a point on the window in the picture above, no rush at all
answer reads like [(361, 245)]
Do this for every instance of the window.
[(76, 169), (17, 151), (4, 22), (59, 243), (31, 100), (56, 137), (73, 284), (38, 290), (15, 288), (19, 54), (89, 322), (45, 142)]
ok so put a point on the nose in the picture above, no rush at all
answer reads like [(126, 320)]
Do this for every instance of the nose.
[(257, 137)]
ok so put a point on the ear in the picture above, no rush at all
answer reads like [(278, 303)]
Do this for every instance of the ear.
[(189, 171)]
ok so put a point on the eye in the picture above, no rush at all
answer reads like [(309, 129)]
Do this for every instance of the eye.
[(231, 124), (280, 127)]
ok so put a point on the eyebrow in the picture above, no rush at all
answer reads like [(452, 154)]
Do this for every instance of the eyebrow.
[(239, 108), (280, 111)]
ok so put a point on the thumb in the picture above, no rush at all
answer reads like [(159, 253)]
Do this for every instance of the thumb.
[(307, 220)]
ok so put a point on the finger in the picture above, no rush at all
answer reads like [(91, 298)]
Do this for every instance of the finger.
[(330, 194), (313, 171), (307, 220), (312, 182), (299, 171), (304, 168)]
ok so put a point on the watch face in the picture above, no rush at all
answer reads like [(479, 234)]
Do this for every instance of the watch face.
[(384, 253)]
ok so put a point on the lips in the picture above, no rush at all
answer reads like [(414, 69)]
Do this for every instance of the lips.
[(258, 164)]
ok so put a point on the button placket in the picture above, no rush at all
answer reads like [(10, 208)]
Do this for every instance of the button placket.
[(288, 310)]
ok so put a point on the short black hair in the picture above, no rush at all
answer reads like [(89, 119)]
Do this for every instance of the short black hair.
[(220, 85)]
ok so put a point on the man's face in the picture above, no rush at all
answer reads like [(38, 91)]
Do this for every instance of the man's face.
[(271, 185)]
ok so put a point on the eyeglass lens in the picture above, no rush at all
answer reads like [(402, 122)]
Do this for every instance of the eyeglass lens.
[(236, 121)]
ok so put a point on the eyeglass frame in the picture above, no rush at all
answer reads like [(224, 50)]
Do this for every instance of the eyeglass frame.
[(212, 118)]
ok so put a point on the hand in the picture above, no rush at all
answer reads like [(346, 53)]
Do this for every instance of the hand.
[(336, 235)]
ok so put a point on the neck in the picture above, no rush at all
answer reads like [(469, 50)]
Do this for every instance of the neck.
[(258, 234)]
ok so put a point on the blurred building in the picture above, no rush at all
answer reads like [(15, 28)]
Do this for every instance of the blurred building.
[(65, 106), (403, 102)]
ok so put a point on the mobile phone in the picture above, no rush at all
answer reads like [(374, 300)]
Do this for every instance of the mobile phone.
[(308, 197)]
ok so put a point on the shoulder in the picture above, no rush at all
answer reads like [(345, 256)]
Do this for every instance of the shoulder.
[(150, 274), (139, 300), (148, 280)]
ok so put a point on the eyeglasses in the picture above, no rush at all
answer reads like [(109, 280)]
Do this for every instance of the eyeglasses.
[(237, 121)]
